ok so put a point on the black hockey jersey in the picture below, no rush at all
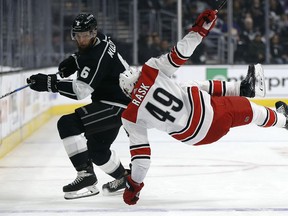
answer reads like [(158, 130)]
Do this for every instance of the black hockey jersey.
[(99, 69)]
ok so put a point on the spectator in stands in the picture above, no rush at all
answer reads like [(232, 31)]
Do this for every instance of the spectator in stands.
[(164, 46), (170, 5), (147, 47), (248, 17), (191, 12), (245, 37), (276, 50), (256, 50), (150, 4), (276, 7), (257, 13)]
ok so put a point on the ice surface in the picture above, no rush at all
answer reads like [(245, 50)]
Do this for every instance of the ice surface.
[(245, 173)]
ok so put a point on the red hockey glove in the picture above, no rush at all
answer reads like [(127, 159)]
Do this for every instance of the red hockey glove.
[(132, 191), (205, 22)]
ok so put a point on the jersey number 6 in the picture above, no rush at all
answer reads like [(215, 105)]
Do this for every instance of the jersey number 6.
[(167, 99), (85, 72)]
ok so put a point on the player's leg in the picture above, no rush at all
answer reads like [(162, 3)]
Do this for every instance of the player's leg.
[(107, 160), (237, 111), (70, 129), (102, 123), (252, 85), (266, 117)]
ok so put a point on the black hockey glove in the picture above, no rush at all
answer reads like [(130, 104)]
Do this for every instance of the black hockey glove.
[(68, 66), (43, 82)]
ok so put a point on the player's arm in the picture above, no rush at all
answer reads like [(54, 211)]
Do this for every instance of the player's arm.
[(74, 89), (90, 74), (69, 66), (140, 160), (179, 54)]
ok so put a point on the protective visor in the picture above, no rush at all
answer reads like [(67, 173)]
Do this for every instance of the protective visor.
[(83, 35)]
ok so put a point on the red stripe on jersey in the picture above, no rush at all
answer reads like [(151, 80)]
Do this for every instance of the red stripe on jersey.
[(175, 58), (196, 115), (217, 88), (271, 118), (140, 151), (147, 78)]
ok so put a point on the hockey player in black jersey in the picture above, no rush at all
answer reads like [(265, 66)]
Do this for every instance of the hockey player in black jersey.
[(98, 65)]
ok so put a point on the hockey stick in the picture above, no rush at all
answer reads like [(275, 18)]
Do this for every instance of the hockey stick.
[(221, 5), (16, 90), (19, 89)]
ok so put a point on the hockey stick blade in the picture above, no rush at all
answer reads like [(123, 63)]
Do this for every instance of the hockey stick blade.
[(16, 90)]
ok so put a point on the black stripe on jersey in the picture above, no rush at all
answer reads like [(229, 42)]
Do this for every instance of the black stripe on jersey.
[(266, 119), (202, 119), (171, 62), (224, 88), (276, 118), (190, 115), (179, 54), (210, 87), (139, 146), (140, 157)]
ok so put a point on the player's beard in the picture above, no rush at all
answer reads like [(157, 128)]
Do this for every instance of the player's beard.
[(82, 49)]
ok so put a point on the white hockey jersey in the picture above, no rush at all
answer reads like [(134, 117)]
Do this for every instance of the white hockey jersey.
[(183, 111)]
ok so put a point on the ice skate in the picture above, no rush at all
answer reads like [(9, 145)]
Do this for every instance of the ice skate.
[(116, 186), (254, 83), (282, 107), (83, 186)]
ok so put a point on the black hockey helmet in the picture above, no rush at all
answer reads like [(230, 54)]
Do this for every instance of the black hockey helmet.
[(84, 22)]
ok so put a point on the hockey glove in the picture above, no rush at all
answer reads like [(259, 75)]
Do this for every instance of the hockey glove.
[(68, 66), (132, 191), (43, 82), (205, 22)]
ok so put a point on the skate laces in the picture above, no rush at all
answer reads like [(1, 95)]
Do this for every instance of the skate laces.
[(80, 176), (115, 184)]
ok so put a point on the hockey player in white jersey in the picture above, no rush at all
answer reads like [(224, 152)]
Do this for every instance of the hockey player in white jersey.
[(195, 113)]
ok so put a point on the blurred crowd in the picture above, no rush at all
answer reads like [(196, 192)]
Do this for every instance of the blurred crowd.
[(248, 33)]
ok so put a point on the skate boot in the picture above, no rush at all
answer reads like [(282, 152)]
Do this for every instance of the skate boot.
[(254, 83), (116, 186), (282, 107), (83, 186)]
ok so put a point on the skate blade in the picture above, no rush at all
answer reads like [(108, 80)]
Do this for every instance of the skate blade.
[(105, 192), (260, 88), (85, 192)]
